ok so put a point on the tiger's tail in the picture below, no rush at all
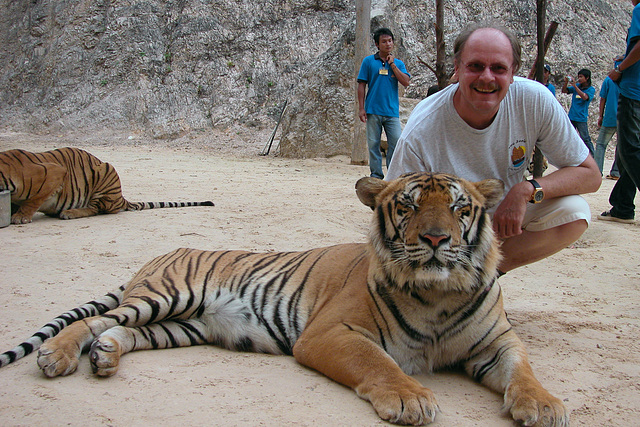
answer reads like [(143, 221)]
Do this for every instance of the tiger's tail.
[(138, 206), (51, 329)]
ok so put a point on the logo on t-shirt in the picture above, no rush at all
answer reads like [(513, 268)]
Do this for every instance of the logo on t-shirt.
[(518, 155)]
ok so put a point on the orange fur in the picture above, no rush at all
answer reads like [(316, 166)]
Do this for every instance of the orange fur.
[(420, 295), (68, 183)]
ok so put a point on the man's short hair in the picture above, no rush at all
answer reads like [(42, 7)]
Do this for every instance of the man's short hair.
[(587, 75), (382, 32), (461, 40)]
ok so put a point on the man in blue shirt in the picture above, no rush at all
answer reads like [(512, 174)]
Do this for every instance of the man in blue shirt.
[(627, 75), (607, 121), (583, 92), (546, 74), (378, 77)]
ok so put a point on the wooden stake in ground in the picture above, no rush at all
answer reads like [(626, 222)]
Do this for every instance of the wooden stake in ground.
[(538, 69), (359, 152)]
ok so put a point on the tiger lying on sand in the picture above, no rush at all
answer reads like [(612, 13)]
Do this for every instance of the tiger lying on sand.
[(420, 295), (68, 183)]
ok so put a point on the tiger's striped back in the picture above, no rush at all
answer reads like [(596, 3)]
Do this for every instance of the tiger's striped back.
[(79, 166)]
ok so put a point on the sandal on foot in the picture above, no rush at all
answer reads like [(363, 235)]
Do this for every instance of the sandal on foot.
[(606, 216)]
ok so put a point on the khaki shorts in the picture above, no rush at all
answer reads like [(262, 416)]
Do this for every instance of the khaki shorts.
[(555, 212)]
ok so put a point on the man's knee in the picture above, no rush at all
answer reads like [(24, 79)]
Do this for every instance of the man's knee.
[(572, 231), (532, 246), (558, 212)]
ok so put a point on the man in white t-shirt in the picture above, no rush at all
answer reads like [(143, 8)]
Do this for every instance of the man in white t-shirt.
[(486, 126)]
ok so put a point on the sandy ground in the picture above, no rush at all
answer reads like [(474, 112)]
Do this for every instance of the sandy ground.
[(577, 312)]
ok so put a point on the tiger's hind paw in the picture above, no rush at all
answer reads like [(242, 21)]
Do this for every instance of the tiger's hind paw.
[(54, 361), (72, 214), (105, 356)]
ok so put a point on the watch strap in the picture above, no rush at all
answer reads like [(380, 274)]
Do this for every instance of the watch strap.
[(534, 183), (537, 188)]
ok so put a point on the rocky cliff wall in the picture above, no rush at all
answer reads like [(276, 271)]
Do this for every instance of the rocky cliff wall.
[(167, 68)]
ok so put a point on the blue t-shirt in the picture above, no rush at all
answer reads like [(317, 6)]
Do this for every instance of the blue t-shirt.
[(552, 88), (630, 81), (609, 92), (382, 86), (579, 110)]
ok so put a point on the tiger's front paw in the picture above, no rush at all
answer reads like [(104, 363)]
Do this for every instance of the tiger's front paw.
[(54, 360), (105, 356), (18, 218), (415, 405), (535, 406)]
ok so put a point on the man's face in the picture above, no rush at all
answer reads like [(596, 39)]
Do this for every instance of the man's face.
[(385, 45), (581, 79), (484, 71)]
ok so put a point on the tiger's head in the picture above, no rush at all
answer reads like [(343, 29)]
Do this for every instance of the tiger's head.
[(431, 231)]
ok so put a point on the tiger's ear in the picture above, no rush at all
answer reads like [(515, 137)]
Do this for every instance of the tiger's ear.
[(368, 188), (492, 190)]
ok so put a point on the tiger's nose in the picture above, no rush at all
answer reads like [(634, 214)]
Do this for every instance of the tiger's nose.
[(435, 240)]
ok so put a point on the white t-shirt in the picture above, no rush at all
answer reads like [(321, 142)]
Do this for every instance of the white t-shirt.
[(436, 139)]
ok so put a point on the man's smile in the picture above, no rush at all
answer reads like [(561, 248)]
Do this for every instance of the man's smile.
[(490, 89)]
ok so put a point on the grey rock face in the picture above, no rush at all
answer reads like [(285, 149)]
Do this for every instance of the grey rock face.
[(167, 68)]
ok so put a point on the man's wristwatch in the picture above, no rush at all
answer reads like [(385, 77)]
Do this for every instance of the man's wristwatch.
[(538, 195), (617, 68)]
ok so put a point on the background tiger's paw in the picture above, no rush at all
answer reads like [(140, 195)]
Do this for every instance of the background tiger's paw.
[(18, 218), (54, 361), (78, 213), (415, 406), (104, 356), (68, 214), (536, 407)]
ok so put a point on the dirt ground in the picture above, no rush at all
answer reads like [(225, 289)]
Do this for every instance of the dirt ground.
[(577, 312)]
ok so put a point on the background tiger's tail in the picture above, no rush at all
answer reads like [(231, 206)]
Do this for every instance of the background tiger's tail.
[(138, 206), (51, 329)]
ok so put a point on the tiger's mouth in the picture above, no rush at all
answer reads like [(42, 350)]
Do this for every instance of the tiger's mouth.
[(431, 264), (422, 260)]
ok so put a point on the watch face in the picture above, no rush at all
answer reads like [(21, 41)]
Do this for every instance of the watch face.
[(538, 196)]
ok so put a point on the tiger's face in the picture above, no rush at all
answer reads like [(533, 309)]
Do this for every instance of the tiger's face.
[(431, 230)]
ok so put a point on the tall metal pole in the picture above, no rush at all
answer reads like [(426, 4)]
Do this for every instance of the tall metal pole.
[(360, 153)]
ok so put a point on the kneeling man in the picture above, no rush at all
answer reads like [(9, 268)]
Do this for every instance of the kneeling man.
[(486, 126)]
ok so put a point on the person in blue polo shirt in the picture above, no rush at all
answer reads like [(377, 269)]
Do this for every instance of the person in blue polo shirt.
[(546, 74), (627, 75), (380, 108), (583, 92), (607, 121)]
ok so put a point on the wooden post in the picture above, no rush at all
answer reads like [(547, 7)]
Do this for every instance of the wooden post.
[(360, 151), (551, 31), (538, 158), (441, 75)]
